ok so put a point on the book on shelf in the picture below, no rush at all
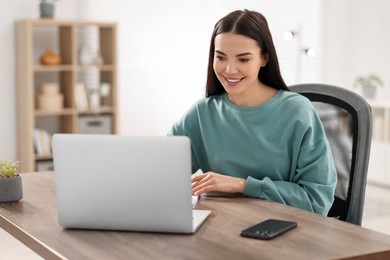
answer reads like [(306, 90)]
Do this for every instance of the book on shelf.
[(81, 96), (42, 142)]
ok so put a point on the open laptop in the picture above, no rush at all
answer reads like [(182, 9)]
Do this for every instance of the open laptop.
[(127, 183)]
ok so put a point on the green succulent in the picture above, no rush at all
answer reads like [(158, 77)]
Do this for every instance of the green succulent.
[(369, 80), (8, 169)]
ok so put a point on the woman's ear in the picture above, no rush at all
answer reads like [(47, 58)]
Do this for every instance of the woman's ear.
[(265, 59)]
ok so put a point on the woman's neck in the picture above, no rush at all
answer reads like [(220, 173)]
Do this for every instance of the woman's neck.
[(256, 97)]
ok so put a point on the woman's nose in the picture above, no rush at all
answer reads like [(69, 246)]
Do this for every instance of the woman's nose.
[(231, 68)]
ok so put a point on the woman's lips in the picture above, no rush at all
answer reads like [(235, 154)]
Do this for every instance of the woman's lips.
[(232, 81)]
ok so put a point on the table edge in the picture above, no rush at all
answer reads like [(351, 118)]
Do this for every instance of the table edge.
[(28, 240)]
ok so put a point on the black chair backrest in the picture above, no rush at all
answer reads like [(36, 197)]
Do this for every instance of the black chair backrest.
[(347, 121)]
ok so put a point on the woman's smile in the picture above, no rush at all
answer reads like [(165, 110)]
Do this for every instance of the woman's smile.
[(232, 82)]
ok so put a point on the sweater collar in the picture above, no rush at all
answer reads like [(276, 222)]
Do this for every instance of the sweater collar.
[(265, 105)]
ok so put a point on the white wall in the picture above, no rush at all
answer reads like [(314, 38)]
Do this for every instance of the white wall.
[(356, 40)]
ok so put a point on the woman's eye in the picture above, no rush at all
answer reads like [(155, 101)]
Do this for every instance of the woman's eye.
[(244, 60), (219, 58)]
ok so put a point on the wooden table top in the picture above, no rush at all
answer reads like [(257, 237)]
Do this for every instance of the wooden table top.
[(34, 222)]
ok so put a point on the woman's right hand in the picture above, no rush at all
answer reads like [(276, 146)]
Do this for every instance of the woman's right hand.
[(211, 181)]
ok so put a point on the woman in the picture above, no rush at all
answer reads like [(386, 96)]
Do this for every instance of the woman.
[(251, 135)]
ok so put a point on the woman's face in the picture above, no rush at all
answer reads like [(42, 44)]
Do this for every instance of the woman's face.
[(237, 61)]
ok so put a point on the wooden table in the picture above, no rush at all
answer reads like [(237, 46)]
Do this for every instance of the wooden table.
[(34, 222)]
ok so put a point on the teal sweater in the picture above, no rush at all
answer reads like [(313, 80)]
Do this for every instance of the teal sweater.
[(279, 147)]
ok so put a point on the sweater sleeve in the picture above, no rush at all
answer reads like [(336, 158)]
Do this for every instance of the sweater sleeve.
[(311, 185)]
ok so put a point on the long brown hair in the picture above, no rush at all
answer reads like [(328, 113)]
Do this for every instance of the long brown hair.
[(253, 25)]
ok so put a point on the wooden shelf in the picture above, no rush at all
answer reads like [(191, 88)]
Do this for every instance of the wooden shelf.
[(96, 67), (46, 68), (44, 157), (100, 110), (64, 37), (62, 112)]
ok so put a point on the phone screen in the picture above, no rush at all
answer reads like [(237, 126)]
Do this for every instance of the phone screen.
[(268, 229)]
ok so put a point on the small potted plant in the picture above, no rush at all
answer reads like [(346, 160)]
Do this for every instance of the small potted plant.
[(368, 85), (47, 8), (10, 182)]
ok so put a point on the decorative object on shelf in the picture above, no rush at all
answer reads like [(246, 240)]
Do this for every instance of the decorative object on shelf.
[(105, 89), (50, 97), (94, 97), (81, 96), (42, 142), (46, 8), (45, 166), (50, 58), (95, 124), (98, 58), (90, 56), (85, 56), (11, 190), (368, 85)]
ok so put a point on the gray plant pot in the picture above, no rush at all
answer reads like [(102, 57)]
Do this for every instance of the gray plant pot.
[(47, 10), (11, 190)]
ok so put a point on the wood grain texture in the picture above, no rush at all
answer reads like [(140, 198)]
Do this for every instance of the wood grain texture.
[(316, 237)]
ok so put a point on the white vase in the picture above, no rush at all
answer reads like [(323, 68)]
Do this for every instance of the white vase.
[(86, 56), (94, 100), (369, 92)]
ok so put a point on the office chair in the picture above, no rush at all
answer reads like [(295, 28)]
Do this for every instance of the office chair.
[(347, 121)]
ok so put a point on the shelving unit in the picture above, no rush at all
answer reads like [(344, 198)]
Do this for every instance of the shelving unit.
[(379, 168), (66, 38)]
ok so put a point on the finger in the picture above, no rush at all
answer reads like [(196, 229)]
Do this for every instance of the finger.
[(208, 185), (208, 177), (199, 180), (198, 177), (204, 190), (197, 183)]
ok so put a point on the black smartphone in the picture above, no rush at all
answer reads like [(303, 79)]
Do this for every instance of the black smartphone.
[(268, 229)]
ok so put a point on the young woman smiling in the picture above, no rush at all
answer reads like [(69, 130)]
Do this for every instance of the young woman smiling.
[(251, 135)]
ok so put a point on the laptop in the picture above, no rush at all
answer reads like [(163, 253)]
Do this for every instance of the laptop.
[(129, 183)]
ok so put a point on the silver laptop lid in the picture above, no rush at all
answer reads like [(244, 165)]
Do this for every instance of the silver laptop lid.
[(123, 182)]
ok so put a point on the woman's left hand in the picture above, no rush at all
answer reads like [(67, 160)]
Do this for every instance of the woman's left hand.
[(211, 181)]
